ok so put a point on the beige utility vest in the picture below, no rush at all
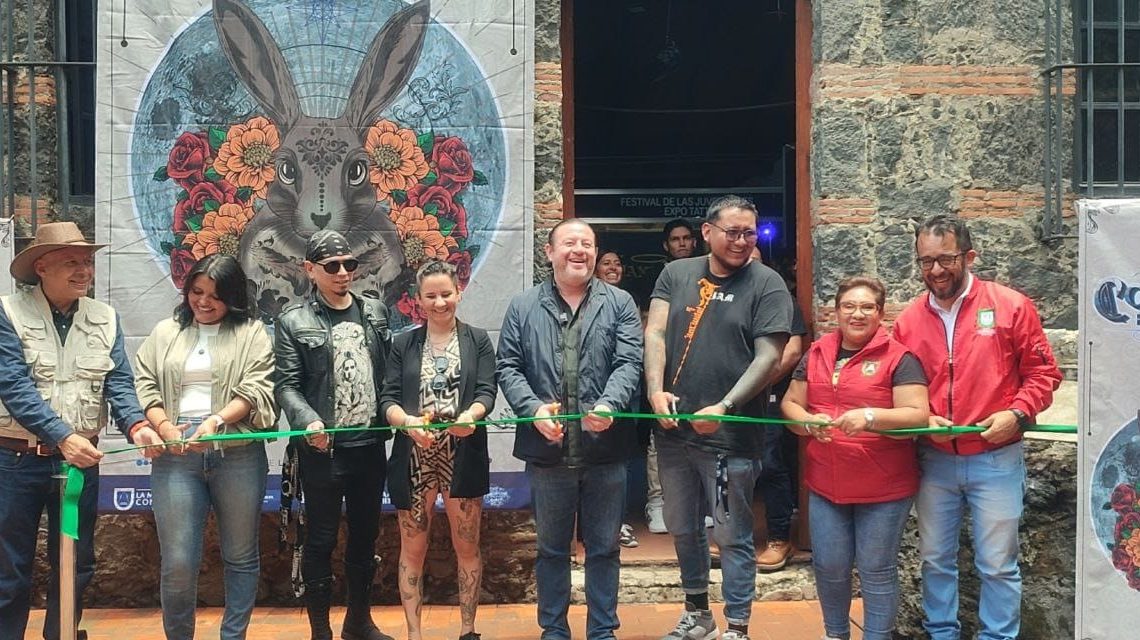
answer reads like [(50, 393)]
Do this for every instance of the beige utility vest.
[(69, 376)]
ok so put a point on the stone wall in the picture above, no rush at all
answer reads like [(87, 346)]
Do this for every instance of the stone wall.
[(127, 568), (925, 107)]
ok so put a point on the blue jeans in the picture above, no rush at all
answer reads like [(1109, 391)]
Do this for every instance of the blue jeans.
[(558, 494), (866, 536), (992, 486), (688, 484), (27, 487), (184, 488)]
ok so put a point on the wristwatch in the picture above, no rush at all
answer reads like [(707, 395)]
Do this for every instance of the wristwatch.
[(1023, 421), (729, 406), (869, 416)]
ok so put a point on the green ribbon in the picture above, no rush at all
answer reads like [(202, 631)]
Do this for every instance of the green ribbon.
[(269, 435), (69, 501)]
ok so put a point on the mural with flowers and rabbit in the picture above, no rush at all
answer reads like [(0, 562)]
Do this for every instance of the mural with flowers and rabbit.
[(242, 127), (262, 122)]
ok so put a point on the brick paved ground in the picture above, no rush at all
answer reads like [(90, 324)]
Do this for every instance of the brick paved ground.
[(771, 621)]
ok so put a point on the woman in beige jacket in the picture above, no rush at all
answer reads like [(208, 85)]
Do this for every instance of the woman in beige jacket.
[(207, 371)]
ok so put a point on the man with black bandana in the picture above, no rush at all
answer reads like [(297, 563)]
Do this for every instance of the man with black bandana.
[(331, 352), (716, 329), (572, 344)]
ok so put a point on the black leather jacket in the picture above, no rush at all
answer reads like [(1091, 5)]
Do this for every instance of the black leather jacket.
[(302, 344)]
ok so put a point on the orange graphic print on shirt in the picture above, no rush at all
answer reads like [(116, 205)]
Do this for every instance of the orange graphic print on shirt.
[(706, 295)]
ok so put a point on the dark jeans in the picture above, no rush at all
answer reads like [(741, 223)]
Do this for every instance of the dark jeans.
[(26, 487), (354, 476), (776, 485), (557, 494)]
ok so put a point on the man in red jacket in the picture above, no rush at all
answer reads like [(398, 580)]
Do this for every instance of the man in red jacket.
[(989, 364)]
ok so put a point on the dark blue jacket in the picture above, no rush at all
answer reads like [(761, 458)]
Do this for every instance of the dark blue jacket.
[(609, 367)]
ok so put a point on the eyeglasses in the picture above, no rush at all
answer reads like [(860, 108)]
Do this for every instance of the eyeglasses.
[(867, 308), (732, 235), (945, 261), (333, 267), (439, 382)]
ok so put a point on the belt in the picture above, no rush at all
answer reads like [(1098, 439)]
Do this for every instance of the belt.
[(20, 445)]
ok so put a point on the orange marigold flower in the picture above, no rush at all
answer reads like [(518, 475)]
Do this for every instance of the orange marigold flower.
[(396, 162), (421, 237), (1132, 545), (246, 157), (221, 231)]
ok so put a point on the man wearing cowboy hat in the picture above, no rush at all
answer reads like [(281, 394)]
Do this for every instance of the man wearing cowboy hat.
[(62, 363)]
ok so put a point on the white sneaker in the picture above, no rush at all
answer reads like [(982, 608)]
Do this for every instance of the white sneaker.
[(655, 518), (733, 634), (626, 537), (709, 522)]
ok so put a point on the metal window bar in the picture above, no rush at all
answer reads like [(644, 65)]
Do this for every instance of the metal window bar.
[(20, 70), (1089, 107)]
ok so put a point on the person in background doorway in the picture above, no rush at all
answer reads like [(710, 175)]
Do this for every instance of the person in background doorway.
[(775, 475), (610, 271)]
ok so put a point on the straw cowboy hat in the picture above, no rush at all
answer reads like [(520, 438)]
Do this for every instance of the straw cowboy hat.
[(49, 237)]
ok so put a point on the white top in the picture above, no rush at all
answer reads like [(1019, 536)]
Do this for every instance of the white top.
[(950, 318), (197, 377)]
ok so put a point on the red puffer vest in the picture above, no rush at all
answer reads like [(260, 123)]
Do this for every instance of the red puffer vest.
[(869, 467)]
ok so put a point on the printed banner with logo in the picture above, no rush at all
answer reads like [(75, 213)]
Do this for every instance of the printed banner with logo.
[(242, 127), (1108, 504)]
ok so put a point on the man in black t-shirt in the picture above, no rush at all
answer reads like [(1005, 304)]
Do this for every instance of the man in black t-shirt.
[(717, 327), (330, 352)]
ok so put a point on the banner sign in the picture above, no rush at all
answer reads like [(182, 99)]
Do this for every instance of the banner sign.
[(1108, 522), (242, 127)]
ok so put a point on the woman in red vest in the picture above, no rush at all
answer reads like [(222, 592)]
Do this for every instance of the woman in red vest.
[(861, 383)]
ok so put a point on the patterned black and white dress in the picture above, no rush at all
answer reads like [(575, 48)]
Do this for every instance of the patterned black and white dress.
[(432, 468)]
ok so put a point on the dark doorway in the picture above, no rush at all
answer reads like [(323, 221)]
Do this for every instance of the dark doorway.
[(676, 102)]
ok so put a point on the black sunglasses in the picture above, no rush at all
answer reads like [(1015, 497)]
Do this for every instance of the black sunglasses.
[(439, 382), (333, 267)]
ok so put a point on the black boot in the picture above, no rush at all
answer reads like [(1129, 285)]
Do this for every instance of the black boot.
[(358, 624), (318, 597)]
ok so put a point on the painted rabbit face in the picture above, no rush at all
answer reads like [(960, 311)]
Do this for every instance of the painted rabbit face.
[(322, 179)]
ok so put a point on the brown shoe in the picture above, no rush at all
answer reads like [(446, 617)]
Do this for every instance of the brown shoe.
[(775, 556)]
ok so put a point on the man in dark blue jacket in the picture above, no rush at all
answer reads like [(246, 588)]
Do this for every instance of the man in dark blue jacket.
[(573, 345)]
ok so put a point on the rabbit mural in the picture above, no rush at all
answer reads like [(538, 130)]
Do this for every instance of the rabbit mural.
[(259, 188)]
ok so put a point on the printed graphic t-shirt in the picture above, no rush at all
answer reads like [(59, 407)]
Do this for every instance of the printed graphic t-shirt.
[(353, 381), (710, 341)]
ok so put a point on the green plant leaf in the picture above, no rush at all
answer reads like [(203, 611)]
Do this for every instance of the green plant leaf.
[(432, 209), (194, 223), (399, 196), (161, 175), (244, 193), (212, 175), (217, 136), (211, 205), (426, 142), (429, 179), (183, 195), (473, 250), (479, 179), (445, 226), (166, 247), (456, 199)]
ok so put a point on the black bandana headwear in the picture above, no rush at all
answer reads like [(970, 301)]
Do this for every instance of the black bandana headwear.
[(326, 244)]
